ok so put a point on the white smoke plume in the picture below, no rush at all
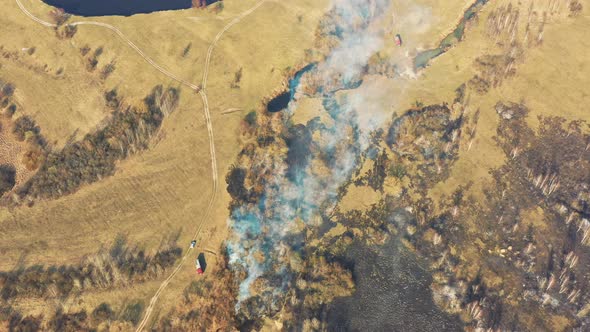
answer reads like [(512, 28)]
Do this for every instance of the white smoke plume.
[(264, 234)]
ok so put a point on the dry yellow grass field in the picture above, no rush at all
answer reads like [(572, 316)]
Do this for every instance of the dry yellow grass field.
[(165, 189)]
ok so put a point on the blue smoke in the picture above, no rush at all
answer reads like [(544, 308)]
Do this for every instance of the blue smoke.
[(267, 234)]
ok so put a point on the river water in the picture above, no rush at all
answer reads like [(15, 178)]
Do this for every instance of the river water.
[(423, 58)]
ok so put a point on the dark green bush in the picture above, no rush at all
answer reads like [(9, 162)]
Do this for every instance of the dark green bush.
[(103, 312), (7, 178), (23, 125), (132, 312)]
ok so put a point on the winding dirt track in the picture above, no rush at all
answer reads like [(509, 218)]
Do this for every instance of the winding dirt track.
[(202, 92), (122, 36), (33, 17)]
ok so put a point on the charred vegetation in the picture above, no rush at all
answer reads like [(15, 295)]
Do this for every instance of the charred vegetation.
[(427, 138)]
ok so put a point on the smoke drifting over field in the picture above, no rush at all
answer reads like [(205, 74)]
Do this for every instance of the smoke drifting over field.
[(268, 236)]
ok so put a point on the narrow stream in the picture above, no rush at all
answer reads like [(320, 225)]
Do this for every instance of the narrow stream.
[(423, 58)]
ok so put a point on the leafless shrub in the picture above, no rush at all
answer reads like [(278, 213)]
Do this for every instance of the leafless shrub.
[(59, 16), (107, 70), (575, 8)]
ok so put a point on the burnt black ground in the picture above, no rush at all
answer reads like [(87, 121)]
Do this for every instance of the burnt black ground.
[(392, 294)]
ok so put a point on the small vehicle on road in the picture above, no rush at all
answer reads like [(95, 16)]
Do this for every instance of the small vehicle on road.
[(193, 243), (198, 266), (398, 40)]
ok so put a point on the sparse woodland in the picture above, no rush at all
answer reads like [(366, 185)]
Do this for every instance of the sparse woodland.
[(57, 172), (127, 131), (119, 266)]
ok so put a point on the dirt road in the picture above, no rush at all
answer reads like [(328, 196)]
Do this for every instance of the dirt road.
[(215, 178), (202, 92)]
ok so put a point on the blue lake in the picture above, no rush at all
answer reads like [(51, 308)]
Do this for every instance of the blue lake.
[(118, 7), (281, 101)]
